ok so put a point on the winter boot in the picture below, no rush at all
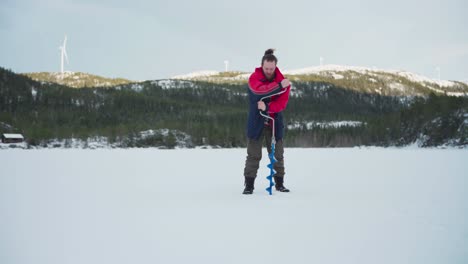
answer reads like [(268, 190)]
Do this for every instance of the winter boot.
[(279, 184), (249, 185)]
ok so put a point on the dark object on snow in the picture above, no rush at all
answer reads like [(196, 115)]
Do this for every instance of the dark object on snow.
[(279, 184), (249, 185)]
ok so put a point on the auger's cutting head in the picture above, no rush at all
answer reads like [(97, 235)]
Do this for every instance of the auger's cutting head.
[(270, 166)]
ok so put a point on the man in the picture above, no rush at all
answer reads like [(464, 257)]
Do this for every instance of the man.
[(267, 80)]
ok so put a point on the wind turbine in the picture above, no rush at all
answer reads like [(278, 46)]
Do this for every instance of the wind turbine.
[(226, 64), (321, 61), (63, 53)]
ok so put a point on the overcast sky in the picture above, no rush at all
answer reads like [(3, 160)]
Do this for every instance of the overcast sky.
[(153, 39)]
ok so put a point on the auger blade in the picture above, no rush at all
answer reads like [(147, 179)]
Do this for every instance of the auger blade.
[(272, 157), (270, 166)]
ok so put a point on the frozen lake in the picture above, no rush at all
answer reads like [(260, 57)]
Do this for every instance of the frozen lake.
[(368, 205)]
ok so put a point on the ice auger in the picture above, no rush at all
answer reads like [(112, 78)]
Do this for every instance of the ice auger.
[(273, 143)]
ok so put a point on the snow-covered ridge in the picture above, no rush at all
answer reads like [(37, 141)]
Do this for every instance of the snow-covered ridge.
[(76, 79), (331, 69), (196, 74), (372, 71), (380, 81), (388, 82), (328, 68), (422, 79), (214, 76)]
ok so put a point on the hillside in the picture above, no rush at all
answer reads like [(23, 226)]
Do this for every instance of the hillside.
[(76, 79), (361, 79), (192, 113)]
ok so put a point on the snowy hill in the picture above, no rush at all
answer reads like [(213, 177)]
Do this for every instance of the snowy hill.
[(76, 79), (384, 82), (198, 114), (362, 79), (195, 75), (215, 76)]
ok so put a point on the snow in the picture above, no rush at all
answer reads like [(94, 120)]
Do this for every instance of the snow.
[(34, 92), (182, 140), (172, 84), (338, 72), (5, 125), (359, 205), (151, 132), (457, 94), (13, 136), (337, 76), (136, 87), (243, 76), (64, 74), (373, 72), (329, 68), (335, 124), (397, 86), (165, 84), (295, 92), (422, 79), (212, 76), (196, 75), (77, 102), (91, 143), (20, 145)]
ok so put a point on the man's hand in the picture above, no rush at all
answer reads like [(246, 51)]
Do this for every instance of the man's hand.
[(261, 105), (285, 83)]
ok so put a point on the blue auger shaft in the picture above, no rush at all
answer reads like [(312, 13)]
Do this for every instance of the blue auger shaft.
[(271, 155), (271, 166), (273, 142)]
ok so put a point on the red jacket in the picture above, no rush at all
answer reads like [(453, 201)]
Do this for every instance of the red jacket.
[(259, 85)]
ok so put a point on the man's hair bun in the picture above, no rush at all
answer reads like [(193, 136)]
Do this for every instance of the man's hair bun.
[(269, 51)]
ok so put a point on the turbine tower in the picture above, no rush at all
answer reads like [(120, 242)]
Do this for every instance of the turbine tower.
[(63, 53), (438, 72), (226, 65), (321, 61)]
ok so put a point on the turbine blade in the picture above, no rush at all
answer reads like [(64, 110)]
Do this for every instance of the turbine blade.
[(66, 56)]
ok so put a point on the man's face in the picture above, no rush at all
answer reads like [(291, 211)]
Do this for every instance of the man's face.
[(269, 69)]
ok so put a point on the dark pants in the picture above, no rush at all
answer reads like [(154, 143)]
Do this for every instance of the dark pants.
[(254, 155)]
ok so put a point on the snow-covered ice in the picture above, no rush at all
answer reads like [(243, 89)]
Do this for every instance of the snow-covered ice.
[(357, 205)]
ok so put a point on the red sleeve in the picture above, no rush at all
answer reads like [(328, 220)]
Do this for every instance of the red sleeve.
[(279, 103), (259, 87)]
